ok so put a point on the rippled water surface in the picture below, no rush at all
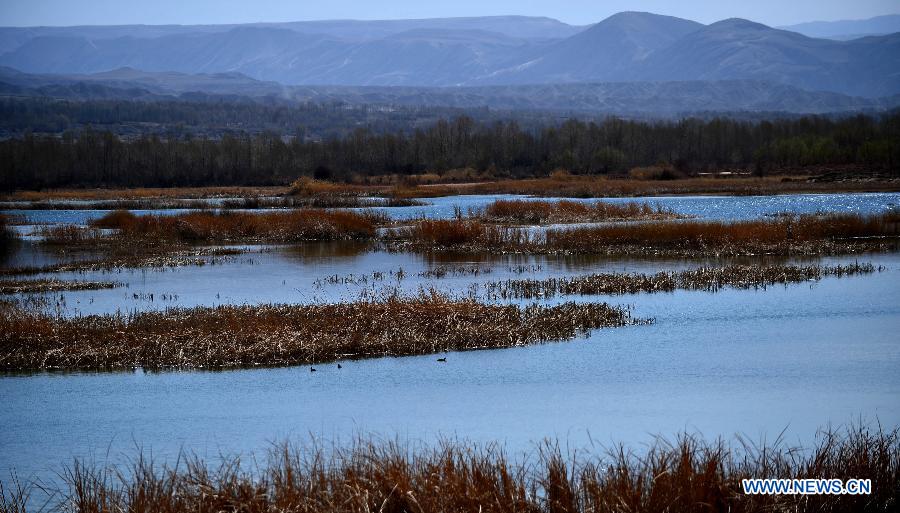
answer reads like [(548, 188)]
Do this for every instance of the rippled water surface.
[(757, 362)]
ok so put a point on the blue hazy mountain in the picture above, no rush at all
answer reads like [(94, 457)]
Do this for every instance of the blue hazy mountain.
[(848, 29), (627, 47)]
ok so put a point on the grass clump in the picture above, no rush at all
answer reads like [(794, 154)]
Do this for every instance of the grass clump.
[(234, 336), (805, 233), (709, 279), (783, 235), (226, 226), (686, 475), (543, 212)]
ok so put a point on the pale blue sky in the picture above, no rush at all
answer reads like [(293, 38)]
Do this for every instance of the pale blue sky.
[(108, 12)]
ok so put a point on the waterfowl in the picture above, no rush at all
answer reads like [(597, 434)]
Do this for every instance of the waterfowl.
[(442, 359)]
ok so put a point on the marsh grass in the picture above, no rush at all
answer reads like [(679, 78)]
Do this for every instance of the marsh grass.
[(710, 279), (574, 186), (235, 336), (783, 235), (558, 212), (225, 226), (686, 474), (51, 285)]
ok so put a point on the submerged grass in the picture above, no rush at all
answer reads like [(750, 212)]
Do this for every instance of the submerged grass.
[(543, 212), (232, 336), (7, 235), (146, 258), (710, 279), (803, 234), (50, 285), (685, 474)]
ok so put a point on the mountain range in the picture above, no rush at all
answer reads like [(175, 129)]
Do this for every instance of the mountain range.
[(654, 99), (626, 48), (848, 29)]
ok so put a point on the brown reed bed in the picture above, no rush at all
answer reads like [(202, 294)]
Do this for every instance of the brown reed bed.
[(574, 186), (711, 279), (562, 212), (50, 285), (687, 474), (784, 235), (235, 336), (226, 226)]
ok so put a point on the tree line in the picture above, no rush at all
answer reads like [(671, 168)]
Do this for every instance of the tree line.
[(100, 158)]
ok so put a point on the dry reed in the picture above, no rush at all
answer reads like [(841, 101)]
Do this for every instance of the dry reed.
[(230, 336), (804, 234), (225, 226), (558, 212), (710, 279), (685, 475), (571, 186)]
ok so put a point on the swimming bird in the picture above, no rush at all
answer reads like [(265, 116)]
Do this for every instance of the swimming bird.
[(339, 366), (312, 369), (442, 359)]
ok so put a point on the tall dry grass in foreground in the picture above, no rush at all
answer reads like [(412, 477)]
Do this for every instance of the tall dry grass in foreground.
[(543, 212), (225, 226), (805, 234), (232, 336), (688, 474)]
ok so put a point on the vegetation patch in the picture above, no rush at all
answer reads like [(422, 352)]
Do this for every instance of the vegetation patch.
[(148, 259), (710, 279), (225, 226), (560, 212), (47, 285), (782, 235), (234, 336), (687, 474)]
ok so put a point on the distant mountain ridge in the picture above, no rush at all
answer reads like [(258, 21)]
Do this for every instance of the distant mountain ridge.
[(653, 99), (628, 47), (848, 29)]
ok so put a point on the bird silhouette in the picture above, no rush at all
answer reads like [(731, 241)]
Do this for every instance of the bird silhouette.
[(312, 369), (339, 366), (442, 359)]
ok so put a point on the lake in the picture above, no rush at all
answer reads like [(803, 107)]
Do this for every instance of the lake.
[(755, 362)]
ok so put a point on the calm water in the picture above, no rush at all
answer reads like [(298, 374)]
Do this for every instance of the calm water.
[(756, 362)]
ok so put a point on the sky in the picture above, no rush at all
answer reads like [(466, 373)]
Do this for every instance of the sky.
[(579, 12)]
